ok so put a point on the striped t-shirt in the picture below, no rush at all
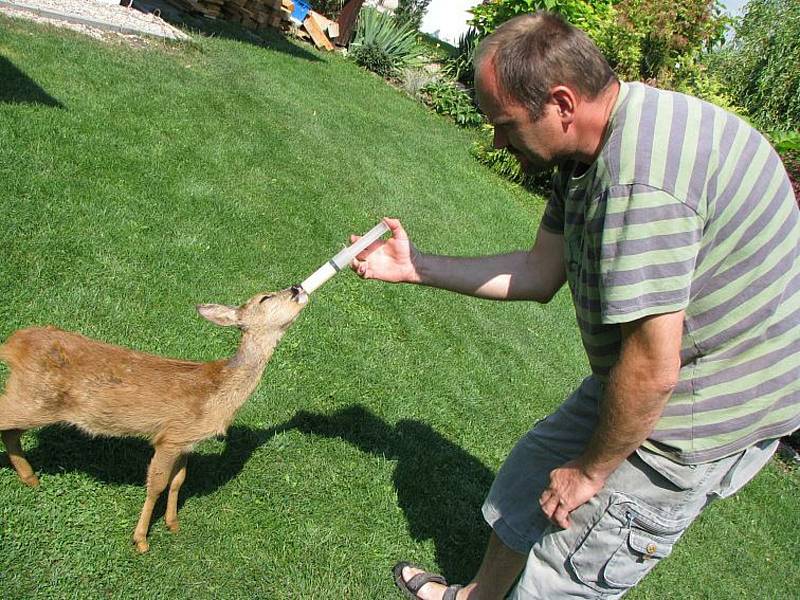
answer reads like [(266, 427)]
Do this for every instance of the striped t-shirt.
[(689, 208)]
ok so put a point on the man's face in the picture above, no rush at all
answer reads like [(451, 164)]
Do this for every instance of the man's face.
[(535, 144)]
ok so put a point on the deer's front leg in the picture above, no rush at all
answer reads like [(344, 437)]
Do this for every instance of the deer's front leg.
[(178, 478), (158, 476), (23, 468)]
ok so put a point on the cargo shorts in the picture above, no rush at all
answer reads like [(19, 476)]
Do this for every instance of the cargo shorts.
[(617, 537)]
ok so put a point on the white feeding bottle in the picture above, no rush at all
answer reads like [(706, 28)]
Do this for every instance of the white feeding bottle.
[(341, 259)]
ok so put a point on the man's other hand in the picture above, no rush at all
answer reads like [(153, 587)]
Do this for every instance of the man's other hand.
[(570, 487)]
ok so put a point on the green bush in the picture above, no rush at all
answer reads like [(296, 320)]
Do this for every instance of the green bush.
[(760, 64), (592, 16), (448, 99), (660, 41), (375, 59), (382, 45), (657, 41)]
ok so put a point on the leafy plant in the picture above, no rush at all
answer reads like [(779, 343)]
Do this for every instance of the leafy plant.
[(786, 141), (658, 41), (411, 12), (592, 16), (448, 99), (382, 45)]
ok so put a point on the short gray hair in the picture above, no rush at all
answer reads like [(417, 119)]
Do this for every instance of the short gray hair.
[(532, 53)]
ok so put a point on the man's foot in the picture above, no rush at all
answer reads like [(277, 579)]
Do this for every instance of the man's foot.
[(418, 584)]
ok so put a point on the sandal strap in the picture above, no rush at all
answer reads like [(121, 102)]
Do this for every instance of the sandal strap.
[(451, 592), (417, 581)]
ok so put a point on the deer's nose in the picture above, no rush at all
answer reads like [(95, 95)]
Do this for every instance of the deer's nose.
[(299, 295)]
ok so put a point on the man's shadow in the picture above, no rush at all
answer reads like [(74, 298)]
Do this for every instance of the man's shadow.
[(440, 487)]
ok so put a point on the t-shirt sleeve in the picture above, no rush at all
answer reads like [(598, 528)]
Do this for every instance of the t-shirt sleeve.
[(648, 248)]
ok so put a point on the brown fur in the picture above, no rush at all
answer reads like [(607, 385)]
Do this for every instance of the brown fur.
[(62, 377)]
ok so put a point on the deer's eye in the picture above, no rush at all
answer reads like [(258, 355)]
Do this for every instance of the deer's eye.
[(267, 297)]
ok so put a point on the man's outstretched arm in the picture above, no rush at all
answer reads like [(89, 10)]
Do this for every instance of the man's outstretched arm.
[(536, 274)]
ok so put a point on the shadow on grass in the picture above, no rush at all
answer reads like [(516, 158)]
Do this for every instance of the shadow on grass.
[(124, 461), (18, 88), (266, 38), (440, 487)]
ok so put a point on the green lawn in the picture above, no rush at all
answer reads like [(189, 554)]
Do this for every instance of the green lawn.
[(136, 183)]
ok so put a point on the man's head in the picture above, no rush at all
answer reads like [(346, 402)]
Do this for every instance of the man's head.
[(532, 74)]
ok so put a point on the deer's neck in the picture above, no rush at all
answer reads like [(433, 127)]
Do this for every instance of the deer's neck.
[(245, 368)]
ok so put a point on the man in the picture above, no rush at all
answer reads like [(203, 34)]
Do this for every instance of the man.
[(675, 226)]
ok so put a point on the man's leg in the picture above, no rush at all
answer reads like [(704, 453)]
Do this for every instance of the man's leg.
[(622, 533), (500, 568), (512, 506)]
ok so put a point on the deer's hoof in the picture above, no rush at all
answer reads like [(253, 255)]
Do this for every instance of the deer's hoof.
[(142, 546), (31, 481)]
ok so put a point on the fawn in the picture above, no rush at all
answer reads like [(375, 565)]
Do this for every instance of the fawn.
[(61, 377)]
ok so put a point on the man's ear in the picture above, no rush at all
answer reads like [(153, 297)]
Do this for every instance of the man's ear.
[(565, 101), (219, 314)]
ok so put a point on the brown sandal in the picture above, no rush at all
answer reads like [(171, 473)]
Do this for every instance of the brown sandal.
[(413, 585)]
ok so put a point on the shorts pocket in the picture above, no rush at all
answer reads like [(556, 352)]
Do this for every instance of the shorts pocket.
[(623, 544)]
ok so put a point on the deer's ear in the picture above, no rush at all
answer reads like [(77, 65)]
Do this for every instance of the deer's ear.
[(219, 314)]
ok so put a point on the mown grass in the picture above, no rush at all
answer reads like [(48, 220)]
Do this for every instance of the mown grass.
[(137, 183)]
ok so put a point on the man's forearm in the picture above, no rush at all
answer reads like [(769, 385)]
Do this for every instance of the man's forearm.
[(501, 277), (639, 387), (629, 411)]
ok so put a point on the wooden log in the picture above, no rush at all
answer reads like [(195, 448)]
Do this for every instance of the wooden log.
[(316, 33)]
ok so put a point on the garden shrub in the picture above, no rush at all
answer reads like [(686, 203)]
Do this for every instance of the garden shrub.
[(657, 41), (669, 36), (760, 64), (446, 98), (382, 45), (592, 16)]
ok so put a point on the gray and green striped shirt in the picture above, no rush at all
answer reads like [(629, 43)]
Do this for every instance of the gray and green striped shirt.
[(689, 208)]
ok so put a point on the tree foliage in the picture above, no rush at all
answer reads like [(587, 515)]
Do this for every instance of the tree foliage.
[(761, 64), (411, 12)]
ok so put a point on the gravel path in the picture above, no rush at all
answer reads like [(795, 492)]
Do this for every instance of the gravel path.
[(92, 17)]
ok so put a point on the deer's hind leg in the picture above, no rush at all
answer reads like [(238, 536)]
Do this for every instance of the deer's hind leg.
[(11, 439), (159, 474), (178, 477)]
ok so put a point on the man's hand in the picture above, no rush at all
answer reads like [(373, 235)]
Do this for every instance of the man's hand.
[(393, 260), (570, 487)]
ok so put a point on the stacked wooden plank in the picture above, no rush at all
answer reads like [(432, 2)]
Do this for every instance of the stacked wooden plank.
[(252, 14)]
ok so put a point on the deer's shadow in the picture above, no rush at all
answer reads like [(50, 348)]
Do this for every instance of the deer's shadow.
[(124, 461)]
